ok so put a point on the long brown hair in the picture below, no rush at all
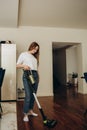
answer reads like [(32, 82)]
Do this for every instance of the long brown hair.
[(31, 47)]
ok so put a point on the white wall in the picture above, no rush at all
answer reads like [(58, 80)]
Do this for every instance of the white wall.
[(71, 61), (23, 36)]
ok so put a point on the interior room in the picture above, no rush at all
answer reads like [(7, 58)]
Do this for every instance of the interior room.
[(60, 29), (65, 65)]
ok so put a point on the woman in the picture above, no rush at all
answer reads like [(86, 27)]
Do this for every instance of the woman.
[(28, 61)]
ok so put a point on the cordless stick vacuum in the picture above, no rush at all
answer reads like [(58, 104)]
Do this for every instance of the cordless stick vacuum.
[(47, 122)]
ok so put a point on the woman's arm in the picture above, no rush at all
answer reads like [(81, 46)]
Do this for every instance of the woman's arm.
[(21, 66)]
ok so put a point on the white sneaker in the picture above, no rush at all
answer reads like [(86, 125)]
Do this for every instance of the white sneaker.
[(32, 114), (26, 119)]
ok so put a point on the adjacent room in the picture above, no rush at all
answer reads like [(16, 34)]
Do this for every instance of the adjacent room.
[(58, 30)]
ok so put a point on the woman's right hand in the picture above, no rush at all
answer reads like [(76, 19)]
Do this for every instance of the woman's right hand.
[(26, 67)]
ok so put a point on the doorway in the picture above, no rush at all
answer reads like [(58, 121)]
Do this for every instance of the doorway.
[(65, 62)]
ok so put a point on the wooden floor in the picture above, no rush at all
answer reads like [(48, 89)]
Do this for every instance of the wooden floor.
[(67, 109)]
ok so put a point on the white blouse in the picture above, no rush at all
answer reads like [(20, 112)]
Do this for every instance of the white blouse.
[(26, 58)]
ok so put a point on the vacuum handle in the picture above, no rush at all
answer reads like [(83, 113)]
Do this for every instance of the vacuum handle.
[(39, 106), (31, 77)]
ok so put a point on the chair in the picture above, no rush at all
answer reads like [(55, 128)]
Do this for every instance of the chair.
[(85, 77), (2, 72)]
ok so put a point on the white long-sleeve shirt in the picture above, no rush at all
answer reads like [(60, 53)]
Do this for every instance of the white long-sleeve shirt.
[(26, 58)]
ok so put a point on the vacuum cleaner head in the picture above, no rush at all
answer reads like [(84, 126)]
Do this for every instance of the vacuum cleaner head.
[(50, 123)]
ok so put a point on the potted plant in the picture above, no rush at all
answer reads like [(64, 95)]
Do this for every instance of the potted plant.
[(75, 78)]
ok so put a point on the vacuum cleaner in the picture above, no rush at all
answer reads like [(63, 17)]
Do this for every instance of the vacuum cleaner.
[(47, 122)]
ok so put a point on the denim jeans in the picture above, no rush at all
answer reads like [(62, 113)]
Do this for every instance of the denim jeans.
[(29, 98)]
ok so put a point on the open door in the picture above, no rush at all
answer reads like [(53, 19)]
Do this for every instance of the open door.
[(65, 61)]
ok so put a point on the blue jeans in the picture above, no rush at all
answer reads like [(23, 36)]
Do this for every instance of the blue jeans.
[(29, 98)]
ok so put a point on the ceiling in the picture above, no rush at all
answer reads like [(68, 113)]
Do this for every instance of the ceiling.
[(44, 13)]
